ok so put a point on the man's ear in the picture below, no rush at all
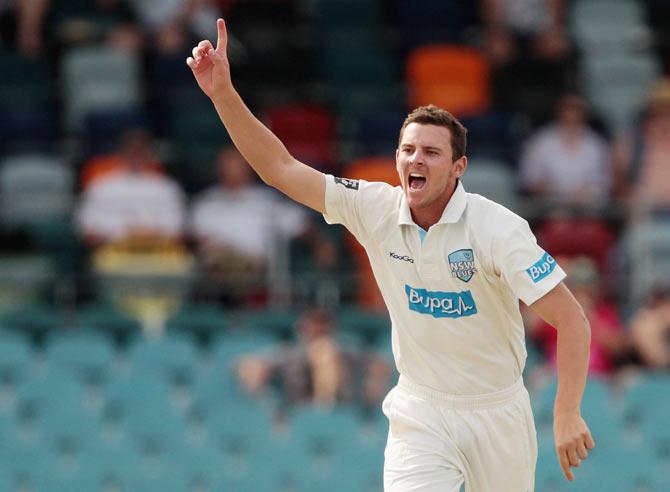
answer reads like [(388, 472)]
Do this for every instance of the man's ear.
[(460, 165)]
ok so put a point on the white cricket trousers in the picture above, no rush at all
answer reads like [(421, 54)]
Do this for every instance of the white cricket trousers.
[(438, 441)]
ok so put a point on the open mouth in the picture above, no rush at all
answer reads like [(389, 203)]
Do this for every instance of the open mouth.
[(416, 181)]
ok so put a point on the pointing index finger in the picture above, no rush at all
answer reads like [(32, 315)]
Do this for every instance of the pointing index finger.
[(222, 39)]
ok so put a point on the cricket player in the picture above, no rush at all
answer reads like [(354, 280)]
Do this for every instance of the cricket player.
[(451, 267)]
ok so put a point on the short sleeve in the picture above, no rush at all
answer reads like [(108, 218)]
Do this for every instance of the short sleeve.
[(528, 270), (356, 204)]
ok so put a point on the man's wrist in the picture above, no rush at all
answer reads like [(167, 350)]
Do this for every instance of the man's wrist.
[(222, 95)]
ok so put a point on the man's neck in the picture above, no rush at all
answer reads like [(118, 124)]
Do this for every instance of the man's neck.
[(425, 217)]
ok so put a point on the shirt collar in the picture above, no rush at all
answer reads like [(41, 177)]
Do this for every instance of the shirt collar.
[(452, 212)]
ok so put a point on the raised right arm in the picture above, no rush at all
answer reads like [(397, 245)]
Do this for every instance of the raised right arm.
[(266, 154)]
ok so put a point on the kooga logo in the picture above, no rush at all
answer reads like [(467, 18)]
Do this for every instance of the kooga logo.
[(441, 304), (396, 256), (542, 268)]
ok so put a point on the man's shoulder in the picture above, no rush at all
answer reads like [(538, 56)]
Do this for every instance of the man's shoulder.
[(488, 216)]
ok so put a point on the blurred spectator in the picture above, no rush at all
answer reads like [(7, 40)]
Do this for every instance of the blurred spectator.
[(318, 368), (566, 161), (135, 152), (238, 226), (534, 26), (650, 330), (642, 158), (170, 22), (21, 25), (109, 21), (533, 61), (127, 198), (609, 342)]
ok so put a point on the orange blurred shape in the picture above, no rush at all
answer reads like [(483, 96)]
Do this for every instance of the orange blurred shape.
[(455, 78), (376, 168)]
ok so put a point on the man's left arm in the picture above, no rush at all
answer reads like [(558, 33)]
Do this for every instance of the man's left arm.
[(572, 437)]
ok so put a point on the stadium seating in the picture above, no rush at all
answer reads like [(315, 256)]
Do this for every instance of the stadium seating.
[(617, 86), (97, 78), (35, 188), (492, 179), (307, 131), (449, 76)]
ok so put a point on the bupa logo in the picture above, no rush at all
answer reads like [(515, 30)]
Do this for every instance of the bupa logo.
[(396, 256), (462, 264), (542, 268), (441, 304)]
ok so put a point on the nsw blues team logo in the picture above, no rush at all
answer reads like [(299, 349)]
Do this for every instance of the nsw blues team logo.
[(462, 264), (440, 304)]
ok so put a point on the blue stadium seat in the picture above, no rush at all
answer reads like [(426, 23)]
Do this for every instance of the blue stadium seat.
[(492, 179), (107, 318), (15, 357), (83, 353), (325, 431), (43, 392), (27, 128), (203, 321), (96, 78), (35, 188), (227, 349), (239, 428), (173, 356)]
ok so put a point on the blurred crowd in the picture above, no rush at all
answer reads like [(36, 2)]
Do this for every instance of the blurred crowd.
[(116, 170)]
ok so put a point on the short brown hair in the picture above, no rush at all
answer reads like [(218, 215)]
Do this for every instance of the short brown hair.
[(433, 115)]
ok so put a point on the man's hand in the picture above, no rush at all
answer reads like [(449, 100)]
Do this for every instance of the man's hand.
[(573, 441), (210, 66)]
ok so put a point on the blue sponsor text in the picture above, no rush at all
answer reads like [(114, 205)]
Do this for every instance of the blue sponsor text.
[(441, 304), (542, 268)]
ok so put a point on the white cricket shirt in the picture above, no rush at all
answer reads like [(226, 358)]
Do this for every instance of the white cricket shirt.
[(453, 297)]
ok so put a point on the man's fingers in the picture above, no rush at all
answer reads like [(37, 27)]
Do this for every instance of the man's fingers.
[(573, 458), (581, 451), (191, 63), (206, 45), (196, 53), (565, 464), (222, 36), (590, 443)]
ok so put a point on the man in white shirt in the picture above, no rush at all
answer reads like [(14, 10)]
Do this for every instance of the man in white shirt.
[(460, 413), (566, 161)]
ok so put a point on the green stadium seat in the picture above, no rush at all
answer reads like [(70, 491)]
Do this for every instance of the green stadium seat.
[(114, 463), (67, 428), (66, 479), (40, 394), (492, 179), (98, 78), (239, 428), (227, 349), (84, 354), (161, 480), (35, 188), (330, 13), (200, 465), (24, 80), (173, 356), (368, 326), (108, 319), (15, 357), (203, 321), (325, 431)]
